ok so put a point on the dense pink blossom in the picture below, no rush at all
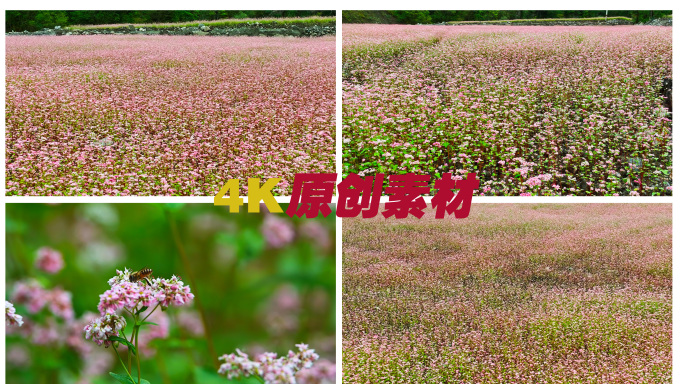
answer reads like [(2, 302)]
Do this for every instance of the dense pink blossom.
[(102, 328), (165, 115), (133, 296), (582, 105), (32, 294), (49, 260), (277, 232), (271, 368), (518, 293)]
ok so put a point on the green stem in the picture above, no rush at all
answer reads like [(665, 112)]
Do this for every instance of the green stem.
[(193, 286), (122, 363), (129, 357), (136, 329), (148, 315), (135, 321)]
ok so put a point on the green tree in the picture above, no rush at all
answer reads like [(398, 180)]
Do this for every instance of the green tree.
[(412, 17)]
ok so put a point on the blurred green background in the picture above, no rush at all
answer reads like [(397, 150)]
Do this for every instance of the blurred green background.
[(263, 283)]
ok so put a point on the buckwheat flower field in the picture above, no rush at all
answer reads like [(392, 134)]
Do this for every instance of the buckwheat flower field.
[(533, 110), (165, 115), (513, 294)]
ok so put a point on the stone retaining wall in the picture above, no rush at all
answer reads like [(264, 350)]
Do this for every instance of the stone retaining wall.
[(246, 29)]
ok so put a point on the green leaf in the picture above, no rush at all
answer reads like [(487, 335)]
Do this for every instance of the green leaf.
[(124, 341), (125, 379), (148, 322)]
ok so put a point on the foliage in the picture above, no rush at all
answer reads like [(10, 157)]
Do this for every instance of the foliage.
[(550, 21), (255, 294), (223, 23), (35, 20), (425, 17)]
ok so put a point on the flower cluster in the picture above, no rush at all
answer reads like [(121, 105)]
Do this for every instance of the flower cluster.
[(322, 372), (133, 296), (277, 232), (31, 294), (271, 368), (11, 316), (49, 260), (166, 115), (532, 110), (102, 328)]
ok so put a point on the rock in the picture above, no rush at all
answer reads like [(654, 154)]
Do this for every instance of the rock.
[(104, 143), (204, 28), (58, 27), (666, 91), (199, 33)]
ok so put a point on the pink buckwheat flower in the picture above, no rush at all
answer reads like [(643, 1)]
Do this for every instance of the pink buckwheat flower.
[(316, 232), (11, 317), (60, 303), (271, 368), (125, 294), (237, 365), (49, 260), (102, 328), (277, 232), (172, 291), (31, 294), (533, 181)]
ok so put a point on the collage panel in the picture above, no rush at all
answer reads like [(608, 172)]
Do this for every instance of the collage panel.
[(517, 293), (536, 107), (166, 103), (502, 211), (167, 293)]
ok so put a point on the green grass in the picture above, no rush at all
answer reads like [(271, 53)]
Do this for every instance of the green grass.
[(523, 21), (223, 23)]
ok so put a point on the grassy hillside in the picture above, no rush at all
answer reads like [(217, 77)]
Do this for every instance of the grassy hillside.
[(221, 23), (436, 16), (550, 21)]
